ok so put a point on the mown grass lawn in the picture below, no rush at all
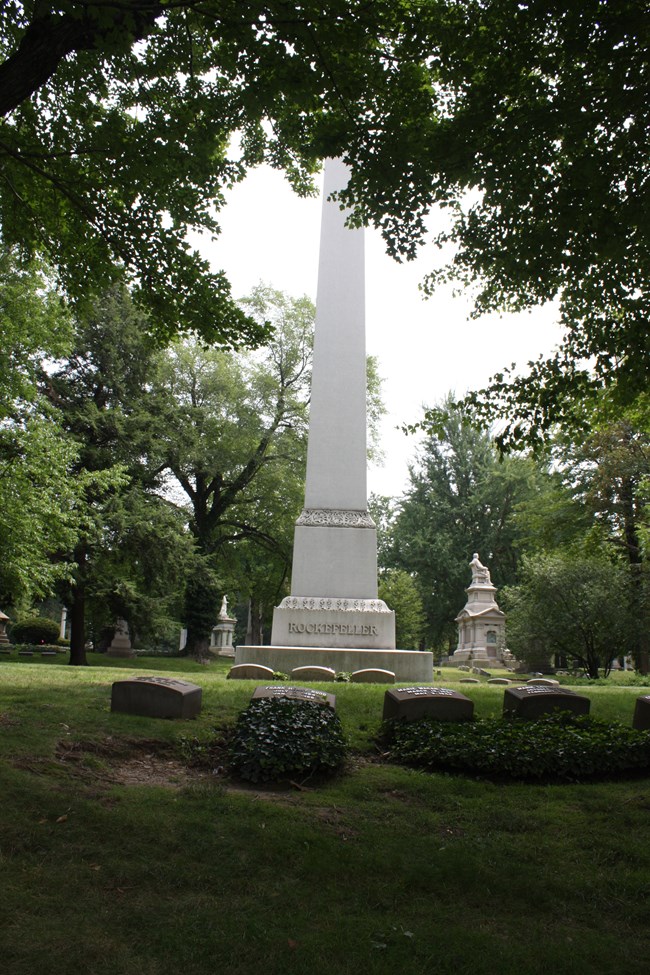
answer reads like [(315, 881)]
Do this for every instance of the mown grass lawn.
[(114, 860)]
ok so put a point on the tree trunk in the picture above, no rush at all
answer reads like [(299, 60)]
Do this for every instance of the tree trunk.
[(49, 39), (77, 609), (201, 602), (255, 632), (197, 647)]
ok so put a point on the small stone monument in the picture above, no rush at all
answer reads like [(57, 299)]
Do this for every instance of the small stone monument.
[(222, 632), (4, 639), (121, 643), (64, 622), (481, 624)]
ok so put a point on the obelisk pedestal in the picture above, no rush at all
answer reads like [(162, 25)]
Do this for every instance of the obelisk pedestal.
[(333, 616)]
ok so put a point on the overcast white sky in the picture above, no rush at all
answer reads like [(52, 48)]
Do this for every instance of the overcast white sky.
[(424, 347)]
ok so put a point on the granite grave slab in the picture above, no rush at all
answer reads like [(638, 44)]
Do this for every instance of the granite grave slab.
[(250, 672), (440, 703), (313, 673), (156, 697), (373, 675), (641, 720), (533, 700)]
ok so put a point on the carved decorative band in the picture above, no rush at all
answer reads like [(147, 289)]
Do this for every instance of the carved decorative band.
[(335, 518), (335, 605)]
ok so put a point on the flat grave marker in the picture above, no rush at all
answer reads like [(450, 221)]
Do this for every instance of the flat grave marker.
[(156, 697), (533, 700), (440, 703)]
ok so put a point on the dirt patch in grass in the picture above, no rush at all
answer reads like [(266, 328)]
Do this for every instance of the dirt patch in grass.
[(126, 761), (335, 821), (149, 762), (101, 763)]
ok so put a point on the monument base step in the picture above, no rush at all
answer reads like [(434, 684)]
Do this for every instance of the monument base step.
[(407, 665)]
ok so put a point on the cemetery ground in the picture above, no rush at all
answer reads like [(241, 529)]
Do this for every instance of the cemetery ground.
[(117, 856)]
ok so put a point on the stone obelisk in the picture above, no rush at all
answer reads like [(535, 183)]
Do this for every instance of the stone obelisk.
[(333, 600), (333, 616)]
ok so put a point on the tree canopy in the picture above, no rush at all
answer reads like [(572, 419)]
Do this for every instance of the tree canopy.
[(125, 120), (123, 123), (128, 551), (543, 113)]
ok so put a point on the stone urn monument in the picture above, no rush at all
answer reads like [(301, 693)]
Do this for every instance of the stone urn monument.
[(481, 624), (222, 632), (121, 642), (4, 639)]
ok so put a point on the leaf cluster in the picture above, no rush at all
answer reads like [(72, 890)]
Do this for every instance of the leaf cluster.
[(557, 747), (283, 739)]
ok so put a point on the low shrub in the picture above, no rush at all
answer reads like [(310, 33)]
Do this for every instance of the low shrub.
[(561, 746), (343, 676), (37, 647), (279, 676), (35, 629), (277, 739)]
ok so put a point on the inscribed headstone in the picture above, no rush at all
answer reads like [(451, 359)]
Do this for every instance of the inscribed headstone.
[(156, 697), (533, 700), (308, 694), (440, 703)]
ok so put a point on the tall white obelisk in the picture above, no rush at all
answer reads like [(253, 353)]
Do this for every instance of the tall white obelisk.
[(333, 598), (333, 617)]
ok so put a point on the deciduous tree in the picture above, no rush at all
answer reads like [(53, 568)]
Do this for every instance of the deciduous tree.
[(400, 592), (461, 499), (99, 394), (571, 604), (38, 501), (233, 435)]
